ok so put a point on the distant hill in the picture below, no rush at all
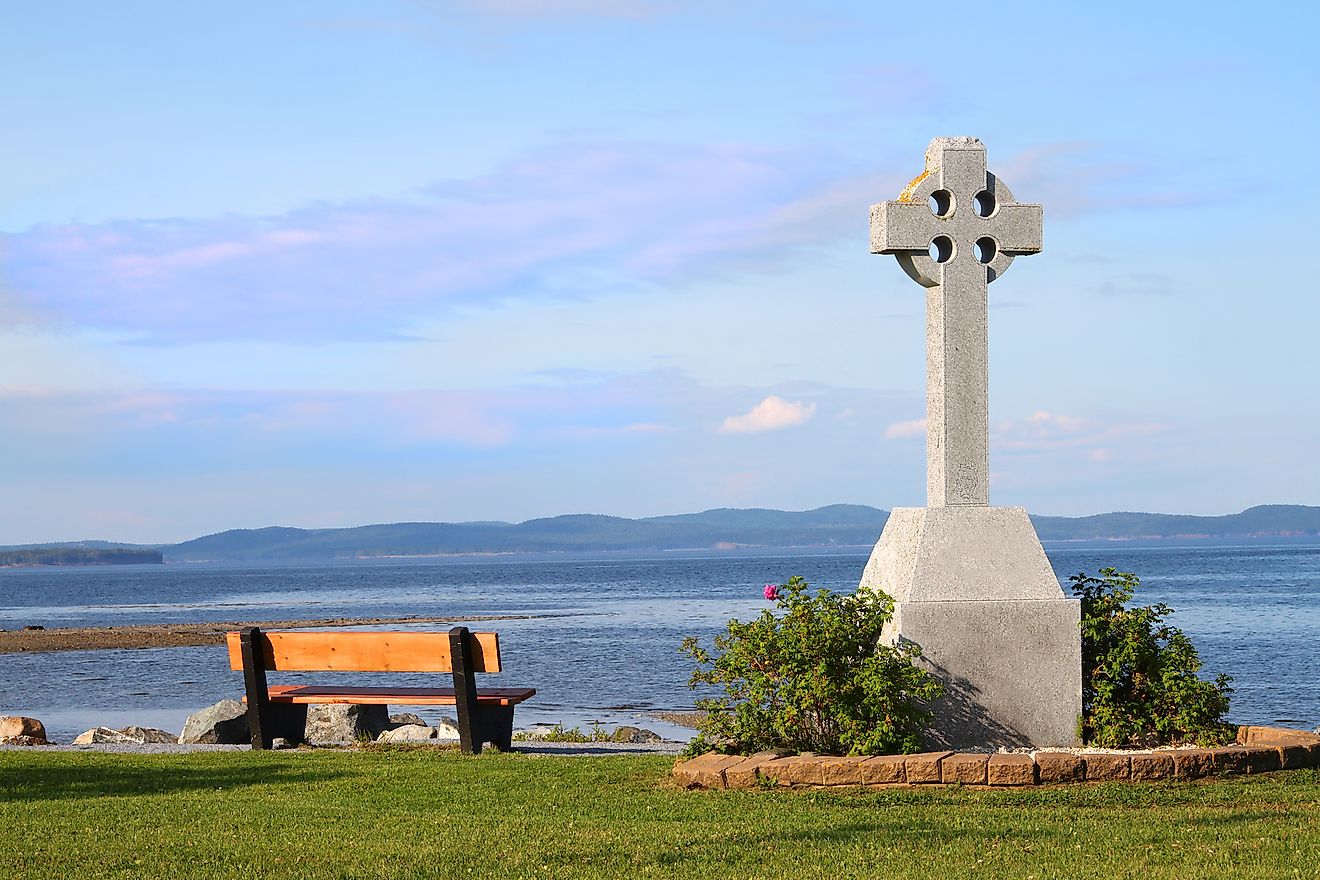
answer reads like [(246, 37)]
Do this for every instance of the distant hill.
[(70, 555), (1265, 520), (838, 525)]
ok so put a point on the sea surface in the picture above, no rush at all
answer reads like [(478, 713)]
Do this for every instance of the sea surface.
[(601, 643)]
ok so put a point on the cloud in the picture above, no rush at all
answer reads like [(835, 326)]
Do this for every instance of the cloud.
[(570, 221), (899, 430), (1076, 178), (1047, 431), (573, 220), (772, 414)]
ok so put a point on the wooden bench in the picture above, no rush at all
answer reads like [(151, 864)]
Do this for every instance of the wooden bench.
[(484, 715)]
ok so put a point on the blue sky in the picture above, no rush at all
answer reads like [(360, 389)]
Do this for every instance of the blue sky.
[(330, 263)]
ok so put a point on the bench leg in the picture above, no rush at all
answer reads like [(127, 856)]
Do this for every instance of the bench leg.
[(495, 726), (287, 720)]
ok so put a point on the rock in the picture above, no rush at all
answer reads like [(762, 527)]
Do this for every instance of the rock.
[(407, 718), (446, 728), (99, 735), (338, 723), (408, 733), (21, 725), (224, 723), (34, 628), (125, 736), (628, 734), (24, 741)]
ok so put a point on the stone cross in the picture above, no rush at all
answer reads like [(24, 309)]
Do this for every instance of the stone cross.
[(954, 229)]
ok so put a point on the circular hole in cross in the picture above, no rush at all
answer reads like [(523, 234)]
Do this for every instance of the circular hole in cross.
[(984, 203), (941, 249), (985, 249), (941, 203)]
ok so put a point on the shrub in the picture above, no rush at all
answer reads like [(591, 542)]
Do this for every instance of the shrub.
[(813, 677), (1139, 681)]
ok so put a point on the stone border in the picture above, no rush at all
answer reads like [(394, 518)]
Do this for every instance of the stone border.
[(1258, 750)]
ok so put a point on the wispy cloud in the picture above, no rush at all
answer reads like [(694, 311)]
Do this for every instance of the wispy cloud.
[(563, 222), (900, 430), (1049, 431), (772, 414), (1075, 178)]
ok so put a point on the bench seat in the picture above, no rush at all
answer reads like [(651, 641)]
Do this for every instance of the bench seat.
[(384, 696)]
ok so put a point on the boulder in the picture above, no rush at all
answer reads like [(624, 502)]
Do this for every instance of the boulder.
[(99, 735), (406, 718), (408, 733), (21, 725), (224, 723), (446, 728), (629, 734), (24, 741), (125, 736), (338, 723)]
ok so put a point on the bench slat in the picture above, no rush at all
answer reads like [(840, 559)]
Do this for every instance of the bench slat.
[(405, 696), (357, 651)]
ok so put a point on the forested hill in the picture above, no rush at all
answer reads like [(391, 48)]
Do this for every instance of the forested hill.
[(80, 556), (838, 525)]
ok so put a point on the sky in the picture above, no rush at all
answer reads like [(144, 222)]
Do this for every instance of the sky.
[(330, 263)]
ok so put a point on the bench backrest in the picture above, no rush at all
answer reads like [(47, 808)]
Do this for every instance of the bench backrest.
[(357, 651)]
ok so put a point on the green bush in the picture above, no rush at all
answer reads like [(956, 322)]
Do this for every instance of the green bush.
[(1139, 681), (813, 677)]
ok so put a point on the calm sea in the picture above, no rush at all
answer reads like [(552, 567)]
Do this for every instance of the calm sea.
[(602, 641)]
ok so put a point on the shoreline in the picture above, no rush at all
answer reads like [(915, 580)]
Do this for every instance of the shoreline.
[(188, 635)]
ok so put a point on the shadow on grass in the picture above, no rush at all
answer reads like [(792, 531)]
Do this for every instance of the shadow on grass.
[(57, 782)]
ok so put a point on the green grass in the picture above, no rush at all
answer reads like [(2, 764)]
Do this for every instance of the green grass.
[(442, 814)]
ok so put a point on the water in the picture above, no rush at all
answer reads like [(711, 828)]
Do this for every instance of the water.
[(602, 644)]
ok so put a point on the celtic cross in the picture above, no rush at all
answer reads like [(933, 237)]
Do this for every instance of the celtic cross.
[(954, 229)]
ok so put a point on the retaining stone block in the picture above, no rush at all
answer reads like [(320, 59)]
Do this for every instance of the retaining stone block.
[(1059, 768), (799, 770), (1231, 759), (1262, 759), (1010, 770), (1193, 763), (883, 770), (923, 768), (707, 771), (1108, 768), (1148, 768), (967, 768), (1294, 757), (748, 773), (841, 771)]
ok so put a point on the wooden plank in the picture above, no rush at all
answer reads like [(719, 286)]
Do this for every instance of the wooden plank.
[(382, 696), (358, 651)]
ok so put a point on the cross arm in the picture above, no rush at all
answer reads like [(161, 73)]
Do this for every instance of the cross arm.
[(1018, 227), (898, 226)]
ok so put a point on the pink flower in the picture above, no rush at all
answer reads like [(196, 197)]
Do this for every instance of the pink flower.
[(771, 592)]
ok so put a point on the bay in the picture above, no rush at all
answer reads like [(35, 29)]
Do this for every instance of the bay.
[(600, 642)]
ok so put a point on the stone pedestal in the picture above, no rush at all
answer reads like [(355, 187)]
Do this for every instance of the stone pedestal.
[(973, 588)]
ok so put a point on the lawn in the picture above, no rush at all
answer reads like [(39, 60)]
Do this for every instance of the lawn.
[(427, 814)]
